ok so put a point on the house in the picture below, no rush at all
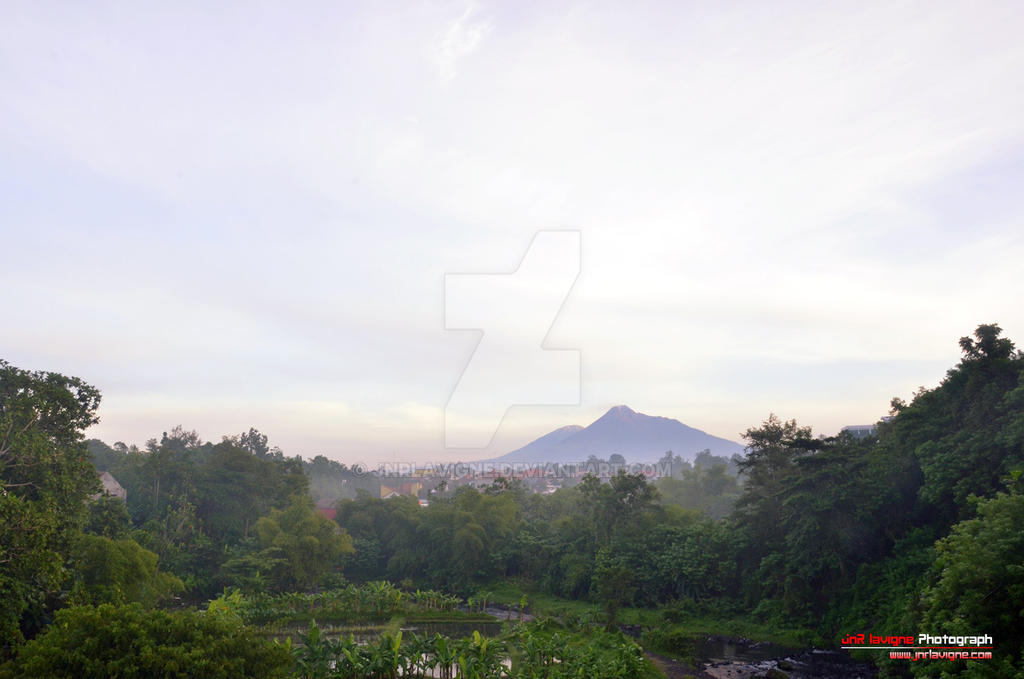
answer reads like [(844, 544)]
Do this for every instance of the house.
[(394, 486), (326, 507), (862, 431), (111, 487), (859, 431)]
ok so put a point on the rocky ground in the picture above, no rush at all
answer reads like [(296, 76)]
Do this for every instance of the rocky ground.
[(814, 664)]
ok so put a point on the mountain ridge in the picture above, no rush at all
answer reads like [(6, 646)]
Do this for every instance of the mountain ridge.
[(636, 436)]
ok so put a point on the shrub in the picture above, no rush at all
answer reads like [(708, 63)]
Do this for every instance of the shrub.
[(95, 642)]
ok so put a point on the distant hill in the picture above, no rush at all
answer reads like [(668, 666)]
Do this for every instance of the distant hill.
[(635, 436)]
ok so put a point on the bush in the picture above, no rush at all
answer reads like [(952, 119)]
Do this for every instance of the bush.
[(87, 642)]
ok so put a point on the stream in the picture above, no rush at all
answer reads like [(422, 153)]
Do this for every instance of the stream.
[(723, 658)]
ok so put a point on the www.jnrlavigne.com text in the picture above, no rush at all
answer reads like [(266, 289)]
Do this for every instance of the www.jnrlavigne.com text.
[(924, 646)]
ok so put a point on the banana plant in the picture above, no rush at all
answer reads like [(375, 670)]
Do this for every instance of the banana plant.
[(351, 662), (445, 656), (386, 657), (409, 657), (480, 657), (315, 657)]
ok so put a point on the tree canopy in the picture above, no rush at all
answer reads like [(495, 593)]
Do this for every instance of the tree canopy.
[(45, 478)]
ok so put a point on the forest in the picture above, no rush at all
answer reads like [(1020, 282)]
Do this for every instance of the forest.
[(919, 527)]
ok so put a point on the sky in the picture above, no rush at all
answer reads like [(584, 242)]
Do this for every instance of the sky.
[(248, 214)]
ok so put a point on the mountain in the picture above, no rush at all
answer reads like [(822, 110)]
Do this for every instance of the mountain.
[(635, 436)]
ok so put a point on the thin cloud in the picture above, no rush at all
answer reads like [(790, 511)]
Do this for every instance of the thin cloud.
[(268, 205), (461, 39)]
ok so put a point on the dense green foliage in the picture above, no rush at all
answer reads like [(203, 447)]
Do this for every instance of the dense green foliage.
[(840, 534), (297, 547), (117, 571), (45, 478), (919, 527), (236, 513), (128, 641), (192, 508), (977, 583), (555, 541)]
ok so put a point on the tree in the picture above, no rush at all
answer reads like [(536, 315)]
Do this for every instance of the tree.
[(235, 489), (107, 516), (971, 429), (772, 450), (771, 455), (105, 457), (254, 442), (45, 478), (710, 489), (303, 544), (118, 571), (978, 587), (672, 465), (506, 485), (833, 510), (612, 584), (618, 504), (987, 345)]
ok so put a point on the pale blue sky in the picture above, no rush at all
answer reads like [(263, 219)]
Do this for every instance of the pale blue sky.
[(244, 215)]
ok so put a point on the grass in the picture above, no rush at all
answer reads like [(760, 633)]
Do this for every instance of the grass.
[(651, 671), (733, 627), (697, 625)]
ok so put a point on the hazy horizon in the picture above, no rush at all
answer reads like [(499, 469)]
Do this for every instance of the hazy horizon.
[(243, 216)]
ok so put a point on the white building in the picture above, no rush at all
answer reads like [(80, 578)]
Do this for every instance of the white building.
[(111, 487)]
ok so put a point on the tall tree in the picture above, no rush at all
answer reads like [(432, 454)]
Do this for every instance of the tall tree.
[(302, 545), (975, 435), (771, 455), (45, 478)]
